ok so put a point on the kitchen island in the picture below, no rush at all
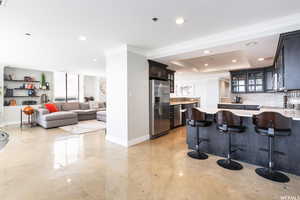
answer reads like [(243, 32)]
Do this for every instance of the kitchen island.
[(253, 146)]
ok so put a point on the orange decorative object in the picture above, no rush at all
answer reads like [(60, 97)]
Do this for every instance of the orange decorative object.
[(28, 110)]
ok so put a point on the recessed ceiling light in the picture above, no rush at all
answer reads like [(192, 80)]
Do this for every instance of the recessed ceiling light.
[(82, 38), (205, 64), (206, 51), (234, 61), (94, 59), (180, 20), (261, 59), (155, 19), (250, 44)]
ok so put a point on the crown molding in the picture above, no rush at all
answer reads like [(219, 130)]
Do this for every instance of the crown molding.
[(268, 28)]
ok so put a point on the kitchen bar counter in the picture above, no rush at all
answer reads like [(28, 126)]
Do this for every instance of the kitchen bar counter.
[(288, 160), (295, 114), (182, 103)]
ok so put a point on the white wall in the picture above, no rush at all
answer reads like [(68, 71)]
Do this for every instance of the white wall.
[(210, 96), (138, 97), (127, 97), (90, 87), (206, 86), (116, 111)]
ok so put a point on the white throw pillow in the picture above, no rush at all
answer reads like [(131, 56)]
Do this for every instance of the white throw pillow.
[(93, 105)]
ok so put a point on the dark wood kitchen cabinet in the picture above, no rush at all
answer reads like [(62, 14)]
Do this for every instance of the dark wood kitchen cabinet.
[(238, 81), (253, 80), (158, 70), (171, 78), (269, 79), (287, 61), (185, 114)]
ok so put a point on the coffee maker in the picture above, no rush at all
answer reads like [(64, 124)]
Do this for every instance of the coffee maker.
[(237, 99)]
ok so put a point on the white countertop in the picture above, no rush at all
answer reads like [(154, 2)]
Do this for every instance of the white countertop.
[(295, 114), (182, 102), (239, 104)]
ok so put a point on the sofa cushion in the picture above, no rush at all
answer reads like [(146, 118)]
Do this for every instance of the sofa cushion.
[(51, 107), (93, 105), (85, 112), (70, 106), (84, 106), (59, 106), (58, 116), (102, 105), (101, 116), (101, 109)]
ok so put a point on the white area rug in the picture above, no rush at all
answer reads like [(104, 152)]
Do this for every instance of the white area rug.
[(84, 127)]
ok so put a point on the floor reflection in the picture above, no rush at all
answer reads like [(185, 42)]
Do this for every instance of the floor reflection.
[(67, 151)]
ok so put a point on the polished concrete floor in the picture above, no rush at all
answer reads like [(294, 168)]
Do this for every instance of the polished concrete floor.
[(39, 164)]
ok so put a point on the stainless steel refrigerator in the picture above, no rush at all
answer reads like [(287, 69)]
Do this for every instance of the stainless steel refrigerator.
[(159, 107)]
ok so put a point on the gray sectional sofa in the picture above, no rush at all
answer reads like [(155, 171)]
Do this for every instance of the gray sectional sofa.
[(69, 113)]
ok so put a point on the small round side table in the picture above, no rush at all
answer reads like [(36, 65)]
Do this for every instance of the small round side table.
[(30, 113)]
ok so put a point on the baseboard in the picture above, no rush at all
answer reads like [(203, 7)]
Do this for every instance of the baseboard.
[(138, 140), (116, 140), (129, 143)]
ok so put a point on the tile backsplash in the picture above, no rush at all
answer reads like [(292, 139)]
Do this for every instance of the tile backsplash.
[(263, 99)]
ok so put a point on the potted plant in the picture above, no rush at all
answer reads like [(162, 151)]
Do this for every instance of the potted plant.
[(43, 81)]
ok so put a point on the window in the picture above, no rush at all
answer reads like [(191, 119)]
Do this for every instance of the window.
[(66, 87), (72, 87)]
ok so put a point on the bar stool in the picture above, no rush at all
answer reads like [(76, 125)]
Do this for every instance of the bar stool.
[(229, 123), (272, 124), (197, 119)]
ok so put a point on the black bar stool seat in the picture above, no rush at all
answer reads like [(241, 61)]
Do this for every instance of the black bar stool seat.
[(197, 119), (229, 123), (272, 124)]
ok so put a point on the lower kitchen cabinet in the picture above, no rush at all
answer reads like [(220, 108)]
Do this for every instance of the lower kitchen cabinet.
[(185, 114), (175, 116)]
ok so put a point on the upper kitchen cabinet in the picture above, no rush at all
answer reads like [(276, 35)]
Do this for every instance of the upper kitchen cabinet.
[(158, 71), (252, 80), (269, 79), (255, 81), (287, 61), (238, 81), (171, 78)]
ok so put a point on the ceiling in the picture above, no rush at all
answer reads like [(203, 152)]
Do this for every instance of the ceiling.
[(240, 55), (55, 26)]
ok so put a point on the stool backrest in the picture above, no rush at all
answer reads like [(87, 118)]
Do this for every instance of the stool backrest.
[(228, 118), (274, 120), (196, 115)]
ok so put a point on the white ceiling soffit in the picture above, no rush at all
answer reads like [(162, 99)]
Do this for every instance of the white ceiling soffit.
[(268, 28), (221, 58), (217, 63)]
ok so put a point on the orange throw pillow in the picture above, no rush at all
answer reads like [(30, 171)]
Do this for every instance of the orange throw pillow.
[(51, 107)]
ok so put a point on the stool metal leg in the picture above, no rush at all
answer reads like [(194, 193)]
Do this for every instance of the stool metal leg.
[(197, 154), (269, 173), (228, 163)]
